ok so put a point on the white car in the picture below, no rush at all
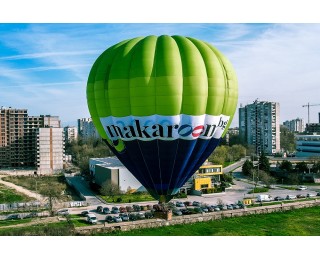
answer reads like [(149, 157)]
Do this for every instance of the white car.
[(92, 219), (302, 187)]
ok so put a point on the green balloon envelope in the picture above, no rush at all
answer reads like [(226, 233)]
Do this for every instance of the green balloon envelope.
[(162, 104)]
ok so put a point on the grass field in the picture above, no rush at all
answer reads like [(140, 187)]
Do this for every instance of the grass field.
[(9, 195)]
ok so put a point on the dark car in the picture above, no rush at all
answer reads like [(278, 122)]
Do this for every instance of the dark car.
[(133, 216), (278, 198), (301, 196), (210, 209), (109, 219), (318, 194), (31, 215), (180, 204), (13, 216), (241, 205), (99, 208), (188, 203), (204, 209), (186, 211), (177, 212), (106, 210), (196, 203), (136, 208), (85, 213), (235, 206), (143, 207), (148, 214), (114, 210), (198, 210), (124, 216)]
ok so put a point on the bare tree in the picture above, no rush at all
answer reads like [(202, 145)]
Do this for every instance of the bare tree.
[(110, 189)]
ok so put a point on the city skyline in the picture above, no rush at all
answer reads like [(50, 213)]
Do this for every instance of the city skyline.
[(45, 66)]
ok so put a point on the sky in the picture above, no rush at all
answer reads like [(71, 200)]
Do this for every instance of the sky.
[(44, 66)]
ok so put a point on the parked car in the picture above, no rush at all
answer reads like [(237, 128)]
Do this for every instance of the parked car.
[(302, 188), (235, 206), (129, 209), (310, 195), (141, 215), (204, 209), (186, 211), (229, 206), (180, 204), (133, 216), (241, 205), (216, 208), (92, 218), (177, 212), (122, 209), (291, 197), (99, 209), (187, 203), (124, 216), (299, 196), (198, 210), (85, 213), (109, 219), (149, 207), (13, 216), (106, 210), (222, 207), (196, 204), (148, 214), (318, 194), (210, 209), (63, 212), (117, 219), (136, 208), (278, 198), (31, 215), (115, 210)]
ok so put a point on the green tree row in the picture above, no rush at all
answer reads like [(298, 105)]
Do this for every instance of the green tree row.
[(223, 154)]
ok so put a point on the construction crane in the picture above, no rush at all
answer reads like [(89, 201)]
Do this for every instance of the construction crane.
[(308, 105)]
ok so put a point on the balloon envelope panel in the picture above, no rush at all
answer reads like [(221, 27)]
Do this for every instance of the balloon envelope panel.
[(162, 104)]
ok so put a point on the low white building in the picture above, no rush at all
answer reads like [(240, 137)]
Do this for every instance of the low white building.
[(111, 170)]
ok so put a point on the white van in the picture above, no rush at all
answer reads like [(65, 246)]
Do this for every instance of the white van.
[(263, 197), (92, 219)]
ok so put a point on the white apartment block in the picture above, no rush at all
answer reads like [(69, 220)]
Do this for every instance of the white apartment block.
[(295, 125), (50, 150), (70, 133), (259, 126)]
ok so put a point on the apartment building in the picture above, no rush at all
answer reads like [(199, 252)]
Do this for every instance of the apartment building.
[(70, 133), (86, 129), (259, 126), (295, 125), (19, 143)]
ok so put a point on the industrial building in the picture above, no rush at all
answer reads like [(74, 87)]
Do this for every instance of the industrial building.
[(259, 126), (20, 146), (308, 145), (111, 170)]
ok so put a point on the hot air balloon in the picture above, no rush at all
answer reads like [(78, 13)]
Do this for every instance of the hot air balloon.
[(162, 104)]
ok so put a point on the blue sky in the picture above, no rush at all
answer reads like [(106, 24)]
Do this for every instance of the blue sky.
[(44, 66)]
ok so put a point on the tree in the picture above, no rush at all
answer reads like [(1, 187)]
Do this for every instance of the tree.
[(219, 155), (266, 178), (286, 166), (287, 140), (247, 168), (109, 189), (50, 189), (302, 167), (264, 162)]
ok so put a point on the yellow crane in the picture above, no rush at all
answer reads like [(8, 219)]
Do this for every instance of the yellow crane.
[(308, 105)]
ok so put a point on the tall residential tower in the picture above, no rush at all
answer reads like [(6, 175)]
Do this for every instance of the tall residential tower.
[(259, 126)]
